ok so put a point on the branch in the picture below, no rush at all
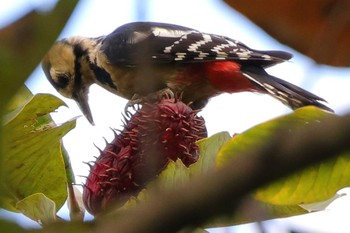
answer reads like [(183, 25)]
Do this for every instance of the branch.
[(220, 193)]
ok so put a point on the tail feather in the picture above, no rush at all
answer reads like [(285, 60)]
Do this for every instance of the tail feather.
[(289, 94)]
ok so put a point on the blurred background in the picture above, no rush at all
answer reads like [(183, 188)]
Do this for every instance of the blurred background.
[(233, 113)]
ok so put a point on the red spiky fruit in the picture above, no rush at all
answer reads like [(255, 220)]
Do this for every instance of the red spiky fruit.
[(154, 135)]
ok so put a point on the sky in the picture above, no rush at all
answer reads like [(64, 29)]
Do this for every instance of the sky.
[(233, 113)]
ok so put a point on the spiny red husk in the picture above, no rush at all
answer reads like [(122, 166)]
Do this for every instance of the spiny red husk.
[(154, 135)]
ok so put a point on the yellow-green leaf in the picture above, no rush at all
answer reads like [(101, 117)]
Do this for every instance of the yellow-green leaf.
[(314, 184), (32, 157), (38, 207), (177, 173), (209, 148)]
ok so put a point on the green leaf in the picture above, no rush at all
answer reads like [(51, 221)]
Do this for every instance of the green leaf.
[(209, 148), (177, 173), (38, 207), (22, 96), (315, 184), (317, 206), (32, 157), (67, 164)]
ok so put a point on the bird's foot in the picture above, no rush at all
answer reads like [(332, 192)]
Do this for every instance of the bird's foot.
[(165, 93)]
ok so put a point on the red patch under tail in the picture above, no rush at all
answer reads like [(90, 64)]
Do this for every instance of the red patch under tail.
[(226, 76)]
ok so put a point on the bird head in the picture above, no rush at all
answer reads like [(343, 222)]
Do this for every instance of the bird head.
[(66, 66)]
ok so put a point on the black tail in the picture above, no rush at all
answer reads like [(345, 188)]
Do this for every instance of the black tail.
[(289, 94)]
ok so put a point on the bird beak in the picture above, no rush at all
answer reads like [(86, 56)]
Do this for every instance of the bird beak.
[(82, 100)]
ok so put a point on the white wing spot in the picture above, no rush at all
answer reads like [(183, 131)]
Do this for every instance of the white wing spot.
[(244, 55), (266, 57), (163, 32), (193, 47)]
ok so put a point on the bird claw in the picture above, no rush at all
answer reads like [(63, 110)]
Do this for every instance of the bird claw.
[(165, 93), (135, 100)]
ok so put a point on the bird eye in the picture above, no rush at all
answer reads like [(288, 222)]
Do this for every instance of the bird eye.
[(62, 80)]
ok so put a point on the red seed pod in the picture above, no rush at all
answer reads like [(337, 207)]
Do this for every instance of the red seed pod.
[(154, 135)]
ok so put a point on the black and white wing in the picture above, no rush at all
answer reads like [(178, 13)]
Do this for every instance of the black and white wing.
[(141, 42), (149, 42)]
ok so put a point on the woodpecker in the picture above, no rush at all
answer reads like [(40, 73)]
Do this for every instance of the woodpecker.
[(143, 58)]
